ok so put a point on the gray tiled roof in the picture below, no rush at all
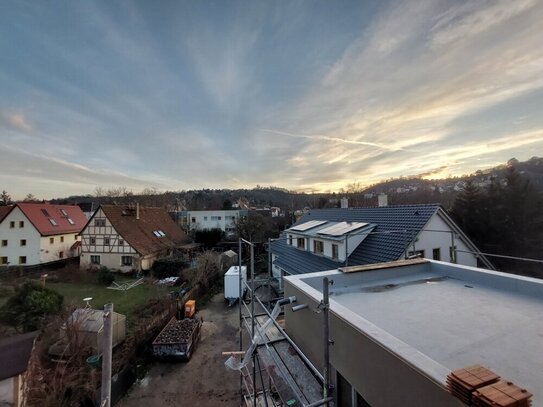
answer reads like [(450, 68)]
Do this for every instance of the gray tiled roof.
[(382, 246)]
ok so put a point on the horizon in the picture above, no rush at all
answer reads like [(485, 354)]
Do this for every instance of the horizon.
[(310, 96)]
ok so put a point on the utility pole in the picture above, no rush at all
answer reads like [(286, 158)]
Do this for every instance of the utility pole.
[(107, 344)]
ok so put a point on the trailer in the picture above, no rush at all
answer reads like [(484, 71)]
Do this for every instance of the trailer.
[(231, 283), (178, 339)]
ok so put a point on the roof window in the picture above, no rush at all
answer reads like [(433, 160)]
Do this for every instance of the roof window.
[(53, 222), (71, 222), (63, 212), (44, 211)]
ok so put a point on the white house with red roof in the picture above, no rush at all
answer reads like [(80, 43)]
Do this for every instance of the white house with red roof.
[(39, 233)]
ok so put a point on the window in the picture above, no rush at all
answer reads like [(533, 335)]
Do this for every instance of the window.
[(92, 240), (436, 254), (95, 259), (63, 212), (44, 211), (21, 223), (126, 260), (205, 217), (300, 243), (23, 242), (335, 251), (71, 222), (121, 242), (3, 260), (219, 217), (290, 240), (61, 255), (53, 222), (4, 243), (318, 247), (215, 218), (22, 259), (11, 224), (106, 241), (61, 239), (193, 220), (75, 237), (99, 222), (51, 240)]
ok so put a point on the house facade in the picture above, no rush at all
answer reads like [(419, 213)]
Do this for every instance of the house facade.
[(207, 220), (128, 238), (329, 238), (36, 233)]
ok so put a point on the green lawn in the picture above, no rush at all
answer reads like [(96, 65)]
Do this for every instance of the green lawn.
[(124, 302)]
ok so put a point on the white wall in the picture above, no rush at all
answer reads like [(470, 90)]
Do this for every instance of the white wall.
[(202, 220), (6, 391), (428, 241), (14, 236), (61, 243), (352, 244)]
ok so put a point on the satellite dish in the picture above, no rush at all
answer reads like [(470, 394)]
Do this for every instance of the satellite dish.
[(87, 299)]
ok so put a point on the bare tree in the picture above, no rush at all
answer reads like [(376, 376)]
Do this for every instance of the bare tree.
[(5, 199)]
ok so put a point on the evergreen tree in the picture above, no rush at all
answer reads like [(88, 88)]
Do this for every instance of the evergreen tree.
[(5, 199)]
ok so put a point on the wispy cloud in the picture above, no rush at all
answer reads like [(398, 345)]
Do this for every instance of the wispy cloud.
[(15, 120)]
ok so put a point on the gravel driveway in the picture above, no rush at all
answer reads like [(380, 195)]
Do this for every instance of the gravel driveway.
[(204, 380)]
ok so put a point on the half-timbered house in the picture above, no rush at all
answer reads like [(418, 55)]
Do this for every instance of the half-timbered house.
[(129, 238)]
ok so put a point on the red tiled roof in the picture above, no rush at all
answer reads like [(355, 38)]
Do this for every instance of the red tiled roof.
[(4, 210), (139, 233), (54, 219)]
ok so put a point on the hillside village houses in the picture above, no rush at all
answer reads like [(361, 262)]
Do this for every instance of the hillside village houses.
[(39, 233), (325, 239), (129, 238)]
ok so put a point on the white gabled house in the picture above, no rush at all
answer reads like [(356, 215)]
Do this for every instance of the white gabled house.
[(129, 238), (324, 239), (38, 233)]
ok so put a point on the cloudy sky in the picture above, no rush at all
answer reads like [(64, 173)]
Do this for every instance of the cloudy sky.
[(300, 94)]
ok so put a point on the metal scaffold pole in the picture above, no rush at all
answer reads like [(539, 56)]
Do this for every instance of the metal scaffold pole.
[(107, 344), (253, 318), (240, 319)]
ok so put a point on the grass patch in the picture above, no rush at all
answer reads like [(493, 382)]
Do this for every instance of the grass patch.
[(124, 302)]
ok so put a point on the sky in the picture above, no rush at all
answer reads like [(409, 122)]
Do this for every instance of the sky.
[(305, 95)]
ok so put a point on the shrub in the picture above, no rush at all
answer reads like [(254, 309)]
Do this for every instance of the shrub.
[(105, 276), (30, 305), (168, 267)]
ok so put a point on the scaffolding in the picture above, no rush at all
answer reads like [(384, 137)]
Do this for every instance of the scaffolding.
[(274, 372)]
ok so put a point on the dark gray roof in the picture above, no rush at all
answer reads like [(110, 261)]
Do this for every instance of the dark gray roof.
[(405, 221), (15, 352)]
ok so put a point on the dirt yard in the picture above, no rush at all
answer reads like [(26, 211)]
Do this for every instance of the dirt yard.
[(204, 380)]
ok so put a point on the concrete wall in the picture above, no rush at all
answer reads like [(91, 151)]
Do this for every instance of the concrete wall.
[(379, 375)]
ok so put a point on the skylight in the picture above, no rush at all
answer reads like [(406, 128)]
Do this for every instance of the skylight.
[(159, 233), (63, 212), (341, 228), (44, 211), (307, 225), (71, 222), (53, 222)]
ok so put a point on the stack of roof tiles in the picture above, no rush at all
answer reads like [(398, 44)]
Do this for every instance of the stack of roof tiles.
[(480, 387), (463, 382), (502, 394)]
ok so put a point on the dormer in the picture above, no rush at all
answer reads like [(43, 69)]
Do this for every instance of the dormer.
[(335, 240)]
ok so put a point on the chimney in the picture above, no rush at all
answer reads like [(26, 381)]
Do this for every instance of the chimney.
[(137, 211), (382, 200), (344, 203)]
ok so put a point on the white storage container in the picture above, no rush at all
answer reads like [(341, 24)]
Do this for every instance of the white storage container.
[(231, 283)]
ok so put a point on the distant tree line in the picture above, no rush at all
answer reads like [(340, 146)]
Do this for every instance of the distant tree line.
[(504, 218)]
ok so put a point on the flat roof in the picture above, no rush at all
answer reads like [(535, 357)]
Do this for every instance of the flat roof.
[(450, 316)]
